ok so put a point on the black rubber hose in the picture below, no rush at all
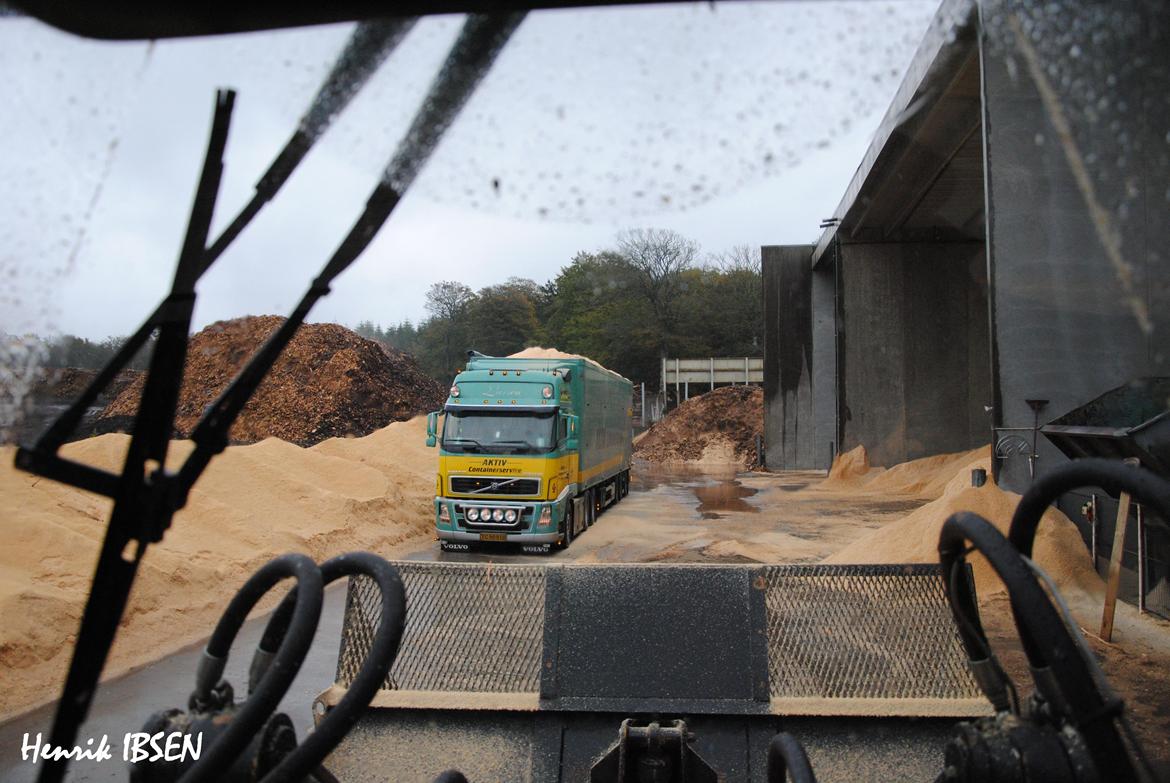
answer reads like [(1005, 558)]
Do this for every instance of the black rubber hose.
[(1110, 475), (1052, 647), (786, 758), (391, 624), (285, 665)]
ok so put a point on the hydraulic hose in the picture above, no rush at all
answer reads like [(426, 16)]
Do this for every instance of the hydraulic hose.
[(786, 758), (1112, 476), (1071, 687), (391, 623), (286, 662)]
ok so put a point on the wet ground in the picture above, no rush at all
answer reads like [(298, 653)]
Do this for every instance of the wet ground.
[(681, 515), (669, 515)]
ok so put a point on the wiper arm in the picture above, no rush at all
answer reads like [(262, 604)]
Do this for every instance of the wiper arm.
[(523, 443), (462, 441), (368, 47)]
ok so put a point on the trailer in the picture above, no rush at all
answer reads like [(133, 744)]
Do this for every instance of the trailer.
[(531, 450)]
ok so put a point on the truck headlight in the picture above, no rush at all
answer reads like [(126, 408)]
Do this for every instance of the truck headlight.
[(545, 517), (472, 514), (444, 514), (498, 515), (510, 515)]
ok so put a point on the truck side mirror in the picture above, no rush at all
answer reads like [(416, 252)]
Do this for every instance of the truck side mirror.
[(571, 420), (432, 427)]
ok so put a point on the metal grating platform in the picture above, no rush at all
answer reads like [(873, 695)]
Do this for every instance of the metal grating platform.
[(780, 640), (469, 628), (858, 634)]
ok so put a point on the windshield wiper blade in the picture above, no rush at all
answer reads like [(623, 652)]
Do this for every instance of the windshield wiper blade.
[(461, 441), (367, 48), (523, 443)]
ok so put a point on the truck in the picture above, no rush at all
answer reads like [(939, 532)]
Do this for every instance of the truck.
[(531, 450)]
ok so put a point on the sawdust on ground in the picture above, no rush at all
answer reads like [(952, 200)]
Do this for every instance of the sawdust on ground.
[(254, 502)]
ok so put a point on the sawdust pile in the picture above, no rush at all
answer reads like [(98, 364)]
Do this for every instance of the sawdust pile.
[(254, 502), (947, 479), (926, 477), (329, 382), (536, 352), (719, 427)]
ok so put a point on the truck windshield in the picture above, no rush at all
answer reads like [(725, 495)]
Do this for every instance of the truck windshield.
[(499, 433)]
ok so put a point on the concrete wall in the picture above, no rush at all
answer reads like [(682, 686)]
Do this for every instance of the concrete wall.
[(914, 374), (1071, 319), (827, 434), (789, 424)]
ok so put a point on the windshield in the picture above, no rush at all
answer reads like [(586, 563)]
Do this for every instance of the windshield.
[(499, 433)]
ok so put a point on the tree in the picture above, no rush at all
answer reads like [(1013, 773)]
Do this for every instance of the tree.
[(447, 303), (503, 317), (447, 299), (739, 258), (658, 258)]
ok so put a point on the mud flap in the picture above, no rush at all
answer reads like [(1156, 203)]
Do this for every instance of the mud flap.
[(546, 661)]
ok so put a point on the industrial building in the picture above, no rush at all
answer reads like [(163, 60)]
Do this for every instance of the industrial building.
[(999, 261)]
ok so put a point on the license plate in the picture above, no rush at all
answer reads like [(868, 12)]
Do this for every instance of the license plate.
[(493, 537)]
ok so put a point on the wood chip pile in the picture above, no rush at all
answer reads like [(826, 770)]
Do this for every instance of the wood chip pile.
[(329, 382), (729, 417)]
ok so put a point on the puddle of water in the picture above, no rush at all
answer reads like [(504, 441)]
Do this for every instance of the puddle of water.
[(727, 495), (647, 476)]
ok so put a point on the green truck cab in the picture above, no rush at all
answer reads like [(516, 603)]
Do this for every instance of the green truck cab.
[(530, 451)]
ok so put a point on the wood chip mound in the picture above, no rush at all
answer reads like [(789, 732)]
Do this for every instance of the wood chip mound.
[(720, 426), (65, 384), (329, 382)]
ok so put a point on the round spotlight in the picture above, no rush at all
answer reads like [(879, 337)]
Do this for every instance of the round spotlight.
[(498, 515), (454, 391), (547, 392), (472, 514), (510, 515)]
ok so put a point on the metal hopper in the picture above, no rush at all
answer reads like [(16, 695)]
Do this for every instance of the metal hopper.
[(1130, 421)]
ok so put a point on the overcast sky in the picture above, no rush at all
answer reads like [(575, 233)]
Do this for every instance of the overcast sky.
[(740, 124)]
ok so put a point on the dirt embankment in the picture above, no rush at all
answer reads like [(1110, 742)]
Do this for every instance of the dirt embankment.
[(254, 502), (716, 428), (329, 382)]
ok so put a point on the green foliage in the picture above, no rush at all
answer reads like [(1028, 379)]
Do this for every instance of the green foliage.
[(625, 308), (71, 351)]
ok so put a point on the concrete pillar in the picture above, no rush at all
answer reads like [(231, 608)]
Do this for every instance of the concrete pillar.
[(789, 429)]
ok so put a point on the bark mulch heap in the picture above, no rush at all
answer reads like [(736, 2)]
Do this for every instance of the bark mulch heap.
[(730, 414), (329, 382), (65, 384)]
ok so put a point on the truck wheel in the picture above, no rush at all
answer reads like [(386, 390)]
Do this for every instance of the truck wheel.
[(567, 524)]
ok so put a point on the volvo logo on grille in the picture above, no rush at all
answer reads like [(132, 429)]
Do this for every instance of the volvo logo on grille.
[(494, 486)]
